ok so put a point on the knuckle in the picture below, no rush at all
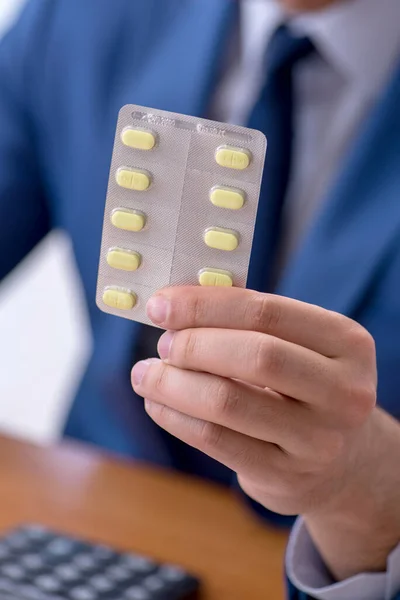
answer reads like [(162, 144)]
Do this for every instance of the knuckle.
[(364, 400), (248, 487), (159, 413), (247, 461), (210, 435), (278, 413), (269, 356), (188, 345), (252, 488), (224, 400), (360, 401), (195, 309), (361, 340), (160, 379), (264, 313)]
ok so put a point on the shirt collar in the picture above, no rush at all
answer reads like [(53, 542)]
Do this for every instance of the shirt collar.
[(359, 38)]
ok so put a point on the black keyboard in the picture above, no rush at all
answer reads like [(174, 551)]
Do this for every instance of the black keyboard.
[(38, 564)]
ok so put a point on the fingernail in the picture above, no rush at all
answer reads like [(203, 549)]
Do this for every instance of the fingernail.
[(157, 309), (164, 344), (139, 371)]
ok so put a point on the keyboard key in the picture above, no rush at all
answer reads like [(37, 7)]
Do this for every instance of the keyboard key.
[(53, 567), (103, 553), (83, 593), (37, 532), (119, 573), (137, 593), (32, 562), (153, 583), (6, 585), (101, 583), (172, 574), (86, 562), (68, 572), (29, 592), (13, 571), (60, 547), (18, 540), (48, 583), (138, 564)]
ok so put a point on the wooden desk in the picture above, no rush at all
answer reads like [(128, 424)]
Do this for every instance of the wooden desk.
[(169, 517)]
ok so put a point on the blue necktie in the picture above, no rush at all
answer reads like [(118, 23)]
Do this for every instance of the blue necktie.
[(273, 114)]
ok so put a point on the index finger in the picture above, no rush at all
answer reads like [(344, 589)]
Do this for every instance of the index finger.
[(310, 326)]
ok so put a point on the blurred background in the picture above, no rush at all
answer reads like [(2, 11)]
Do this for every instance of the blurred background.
[(45, 338)]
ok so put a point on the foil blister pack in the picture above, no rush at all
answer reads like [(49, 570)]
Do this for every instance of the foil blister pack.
[(181, 207)]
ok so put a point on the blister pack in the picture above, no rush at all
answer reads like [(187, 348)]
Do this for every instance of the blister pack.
[(181, 207)]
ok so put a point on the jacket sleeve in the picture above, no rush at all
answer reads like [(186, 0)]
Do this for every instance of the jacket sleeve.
[(294, 594), (24, 214)]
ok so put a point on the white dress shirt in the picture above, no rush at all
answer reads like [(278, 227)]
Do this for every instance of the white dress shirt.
[(358, 43)]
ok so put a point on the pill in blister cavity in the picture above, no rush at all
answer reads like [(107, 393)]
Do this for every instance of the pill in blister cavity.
[(140, 139), (215, 277), (225, 197), (119, 299), (221, 239), (133, 179), (233, 158), (129, 220), (181, 207), (125, 260)]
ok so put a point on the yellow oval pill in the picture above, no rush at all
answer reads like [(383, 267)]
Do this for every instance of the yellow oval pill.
[(226, 197), (119, 298), (125, 260), (233, 158), (140, 139), (128, 220), (221, 239), (133, 179), (215, 277)]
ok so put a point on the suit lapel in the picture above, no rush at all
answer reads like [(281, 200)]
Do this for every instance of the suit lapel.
[(359, 221)]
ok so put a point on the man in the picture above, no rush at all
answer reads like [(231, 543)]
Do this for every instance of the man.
[(283, 391)]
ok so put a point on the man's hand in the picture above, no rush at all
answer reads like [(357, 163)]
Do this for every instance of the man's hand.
[(284, 394)]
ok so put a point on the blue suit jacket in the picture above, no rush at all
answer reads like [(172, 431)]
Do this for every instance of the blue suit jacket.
[(296, 595), (65, 71)]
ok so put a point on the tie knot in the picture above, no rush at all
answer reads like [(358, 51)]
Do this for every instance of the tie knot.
[(286, 49)]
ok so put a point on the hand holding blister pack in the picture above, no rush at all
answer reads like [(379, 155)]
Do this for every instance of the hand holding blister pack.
[(181, 207)]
